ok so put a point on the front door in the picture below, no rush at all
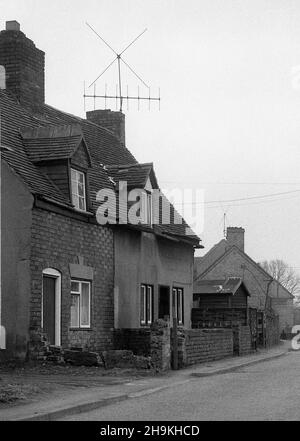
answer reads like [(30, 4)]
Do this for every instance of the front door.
[(49, 308), (164, 302)]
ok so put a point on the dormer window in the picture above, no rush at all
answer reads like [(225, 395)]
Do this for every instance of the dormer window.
[(78, 189)]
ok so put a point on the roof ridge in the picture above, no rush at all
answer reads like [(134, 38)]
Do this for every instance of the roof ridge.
[(131, 165)]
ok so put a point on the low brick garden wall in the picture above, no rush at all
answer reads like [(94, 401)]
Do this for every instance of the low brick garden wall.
[(203, 345), (194, 345), (242, 340), (137, 340)]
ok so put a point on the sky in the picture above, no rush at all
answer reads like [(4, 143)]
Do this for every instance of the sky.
[(229, 79)]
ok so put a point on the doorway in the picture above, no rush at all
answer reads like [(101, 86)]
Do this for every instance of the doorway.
[(51, 304), (164, 302)]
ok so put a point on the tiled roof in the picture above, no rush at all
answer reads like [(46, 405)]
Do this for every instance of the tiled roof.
[(47, 149), (105, 150), (136, 175), (219, 286), (13, 117)]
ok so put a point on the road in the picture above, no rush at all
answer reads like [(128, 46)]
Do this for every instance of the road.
[(264, 391)]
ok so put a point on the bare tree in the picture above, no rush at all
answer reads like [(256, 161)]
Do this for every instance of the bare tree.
[(286, 275)]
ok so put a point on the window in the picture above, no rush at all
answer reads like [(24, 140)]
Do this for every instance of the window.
[(177, 301), (147, 207), (78, 189), (80, 304), (146, 304)]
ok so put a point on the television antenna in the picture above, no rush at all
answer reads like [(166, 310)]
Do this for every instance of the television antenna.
[(119, 96)]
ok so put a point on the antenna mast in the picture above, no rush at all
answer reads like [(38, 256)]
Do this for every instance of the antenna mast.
[(119, 97)]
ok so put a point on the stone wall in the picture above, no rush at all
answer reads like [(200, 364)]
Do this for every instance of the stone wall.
[(161, 345), (153, 342)]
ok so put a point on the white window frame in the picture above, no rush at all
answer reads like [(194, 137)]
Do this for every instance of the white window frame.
[(147, 207), (57, 275), (74, 189), (178, 305), (79, 293), (146, 296)]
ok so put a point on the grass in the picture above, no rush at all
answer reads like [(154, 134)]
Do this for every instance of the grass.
[(10, 393)]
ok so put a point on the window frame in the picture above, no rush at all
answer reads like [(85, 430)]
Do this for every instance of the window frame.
[(83, 173), (146, 314), (147, 207), (79, 294), (178, 307)]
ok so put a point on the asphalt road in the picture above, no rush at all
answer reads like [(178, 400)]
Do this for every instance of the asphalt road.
[(265, 391)]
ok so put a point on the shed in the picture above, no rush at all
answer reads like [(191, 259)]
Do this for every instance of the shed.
[(218, 303)]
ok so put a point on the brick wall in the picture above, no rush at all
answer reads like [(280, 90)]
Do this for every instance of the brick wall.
[(111, 120), (284, 308), (203, 345), (242, 340), (137, 340), (56, 242), (272, 330), (24, 65)]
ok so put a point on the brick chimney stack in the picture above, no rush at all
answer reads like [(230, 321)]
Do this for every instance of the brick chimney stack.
[(113, 121), (236, 236), (24, 66)]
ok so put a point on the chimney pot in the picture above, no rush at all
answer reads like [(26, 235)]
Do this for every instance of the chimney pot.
[(12, 25)]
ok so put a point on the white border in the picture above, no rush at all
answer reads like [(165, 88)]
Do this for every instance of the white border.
[(57, 275)]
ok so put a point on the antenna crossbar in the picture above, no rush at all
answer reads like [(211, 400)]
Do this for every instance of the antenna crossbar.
[(119, 97)]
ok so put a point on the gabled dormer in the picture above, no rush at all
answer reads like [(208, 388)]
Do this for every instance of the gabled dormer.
[(139, 177), (61, 153)]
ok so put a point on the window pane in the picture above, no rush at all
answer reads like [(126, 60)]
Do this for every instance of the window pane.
[(74, 311), (143, 304), (149, 209), (80, 190), (75, 200), (81, 204), (149, 304), (179, 305), (75, 286), (73, 174), (85, 305)]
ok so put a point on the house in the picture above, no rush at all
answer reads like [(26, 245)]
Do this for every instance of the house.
[(228, 259), (68, 279)]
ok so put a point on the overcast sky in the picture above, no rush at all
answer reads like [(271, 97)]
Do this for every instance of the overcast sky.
[(229, 75)]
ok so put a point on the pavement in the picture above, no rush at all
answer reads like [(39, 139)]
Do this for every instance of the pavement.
[(94, 396)]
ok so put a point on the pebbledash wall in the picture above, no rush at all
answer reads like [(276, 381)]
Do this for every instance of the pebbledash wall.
[(56, 242)]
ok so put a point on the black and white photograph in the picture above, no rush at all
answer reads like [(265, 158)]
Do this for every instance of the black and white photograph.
[(150, 216)]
